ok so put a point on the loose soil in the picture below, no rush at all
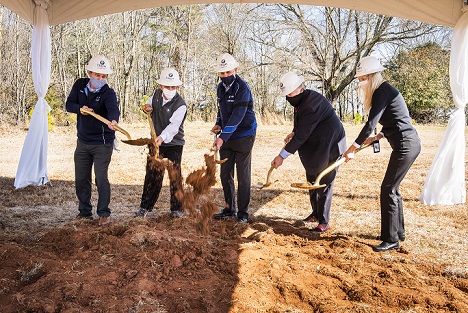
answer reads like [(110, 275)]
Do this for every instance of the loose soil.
[(51, 263)]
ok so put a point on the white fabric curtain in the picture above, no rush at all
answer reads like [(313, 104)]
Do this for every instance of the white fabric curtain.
[(32, 167), (445, 183)]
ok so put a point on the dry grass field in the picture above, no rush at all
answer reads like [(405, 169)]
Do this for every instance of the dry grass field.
[(50, 263)]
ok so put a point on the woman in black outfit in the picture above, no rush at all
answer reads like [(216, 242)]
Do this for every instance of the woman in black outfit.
[(386, 106)]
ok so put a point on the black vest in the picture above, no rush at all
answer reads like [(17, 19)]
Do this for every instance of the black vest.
[(161, 115)]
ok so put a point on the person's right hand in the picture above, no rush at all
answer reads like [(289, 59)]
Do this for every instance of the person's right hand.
[(277, 161), (148, 108), (216, 129), (349, 154), (86, 108)]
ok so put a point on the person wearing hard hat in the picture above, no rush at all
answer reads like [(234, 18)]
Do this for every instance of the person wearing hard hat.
[(319, 137), (168, 111), (95, 139), (385, 105), (236, 126)]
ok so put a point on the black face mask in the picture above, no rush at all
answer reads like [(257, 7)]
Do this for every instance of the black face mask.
[(228, 80), (296, 100)]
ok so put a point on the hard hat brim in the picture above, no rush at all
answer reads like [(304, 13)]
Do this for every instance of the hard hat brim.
[(370, 71), (169, 83)]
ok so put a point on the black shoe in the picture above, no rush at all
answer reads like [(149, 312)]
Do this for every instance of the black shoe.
[(175, 214), (83, 217), (141, 212), (243, 220), (385, 246), (223, 215), (401, 237)]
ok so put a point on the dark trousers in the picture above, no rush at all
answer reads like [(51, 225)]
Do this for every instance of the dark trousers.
[(321, 198), (239, 154), (155, 175), (85, 157), (405, 151)]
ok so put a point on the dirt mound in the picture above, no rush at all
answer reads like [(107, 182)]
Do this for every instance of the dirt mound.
[(163, 265)]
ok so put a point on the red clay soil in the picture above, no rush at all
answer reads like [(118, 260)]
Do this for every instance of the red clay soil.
[(163, 265), (196, 264)]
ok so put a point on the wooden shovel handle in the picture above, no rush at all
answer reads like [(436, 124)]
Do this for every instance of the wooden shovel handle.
[(153, 131), (106, 121)]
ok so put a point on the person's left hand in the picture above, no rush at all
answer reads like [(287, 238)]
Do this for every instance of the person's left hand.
[(111, 124)]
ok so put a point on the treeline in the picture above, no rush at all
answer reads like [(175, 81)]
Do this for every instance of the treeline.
[(321, 43)]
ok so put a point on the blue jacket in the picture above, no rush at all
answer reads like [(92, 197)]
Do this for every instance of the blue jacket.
[(91, 131), (236, 115)]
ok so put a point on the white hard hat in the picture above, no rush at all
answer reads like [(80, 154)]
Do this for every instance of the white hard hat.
[(368, 65), (169, 77), (226, 63), (99, 64), (289, 82)]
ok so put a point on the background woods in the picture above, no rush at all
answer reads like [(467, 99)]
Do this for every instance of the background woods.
[(324, 44)]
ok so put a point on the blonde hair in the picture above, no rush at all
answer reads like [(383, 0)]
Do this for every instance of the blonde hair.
[(365, 93)]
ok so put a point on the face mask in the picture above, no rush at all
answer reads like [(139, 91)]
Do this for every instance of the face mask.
[(228, 80), (363, 83), (296, 100), (169, 94), (96, 83)]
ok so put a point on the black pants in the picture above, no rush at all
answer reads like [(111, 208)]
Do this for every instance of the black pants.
[(321, 198), (405, 151), (85, 157), (239, 154), (155, 175)]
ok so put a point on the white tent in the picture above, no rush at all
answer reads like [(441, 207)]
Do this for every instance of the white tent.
[(445, 183)]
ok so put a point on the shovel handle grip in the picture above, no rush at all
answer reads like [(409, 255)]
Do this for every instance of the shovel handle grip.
[(106, 121)]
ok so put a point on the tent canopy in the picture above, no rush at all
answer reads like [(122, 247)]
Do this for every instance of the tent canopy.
[(440, 12)]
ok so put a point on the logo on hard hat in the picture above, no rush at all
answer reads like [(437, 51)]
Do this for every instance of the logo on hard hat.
[(102, 64), (282, 86), (223, 63), (170, 75)]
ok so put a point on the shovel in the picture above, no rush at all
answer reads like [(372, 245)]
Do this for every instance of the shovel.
[(106, 121), (216, 152), (267, 183), (146, 141), (317, 185)]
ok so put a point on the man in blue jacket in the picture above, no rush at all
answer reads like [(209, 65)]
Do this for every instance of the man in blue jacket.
[(236, 126), (95, 139)]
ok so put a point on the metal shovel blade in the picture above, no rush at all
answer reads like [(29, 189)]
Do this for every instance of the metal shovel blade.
[(139, 142), (317, 184), (267, 183)]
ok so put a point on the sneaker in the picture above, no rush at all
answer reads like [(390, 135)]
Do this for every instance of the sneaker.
[(223, 215), (141, 212), (175, 214), (321, 228), (82, 217), (104, 220), (243, 220), (310, 219)]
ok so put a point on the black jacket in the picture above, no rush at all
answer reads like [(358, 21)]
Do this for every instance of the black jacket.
[(319, 135), (91, 131)]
